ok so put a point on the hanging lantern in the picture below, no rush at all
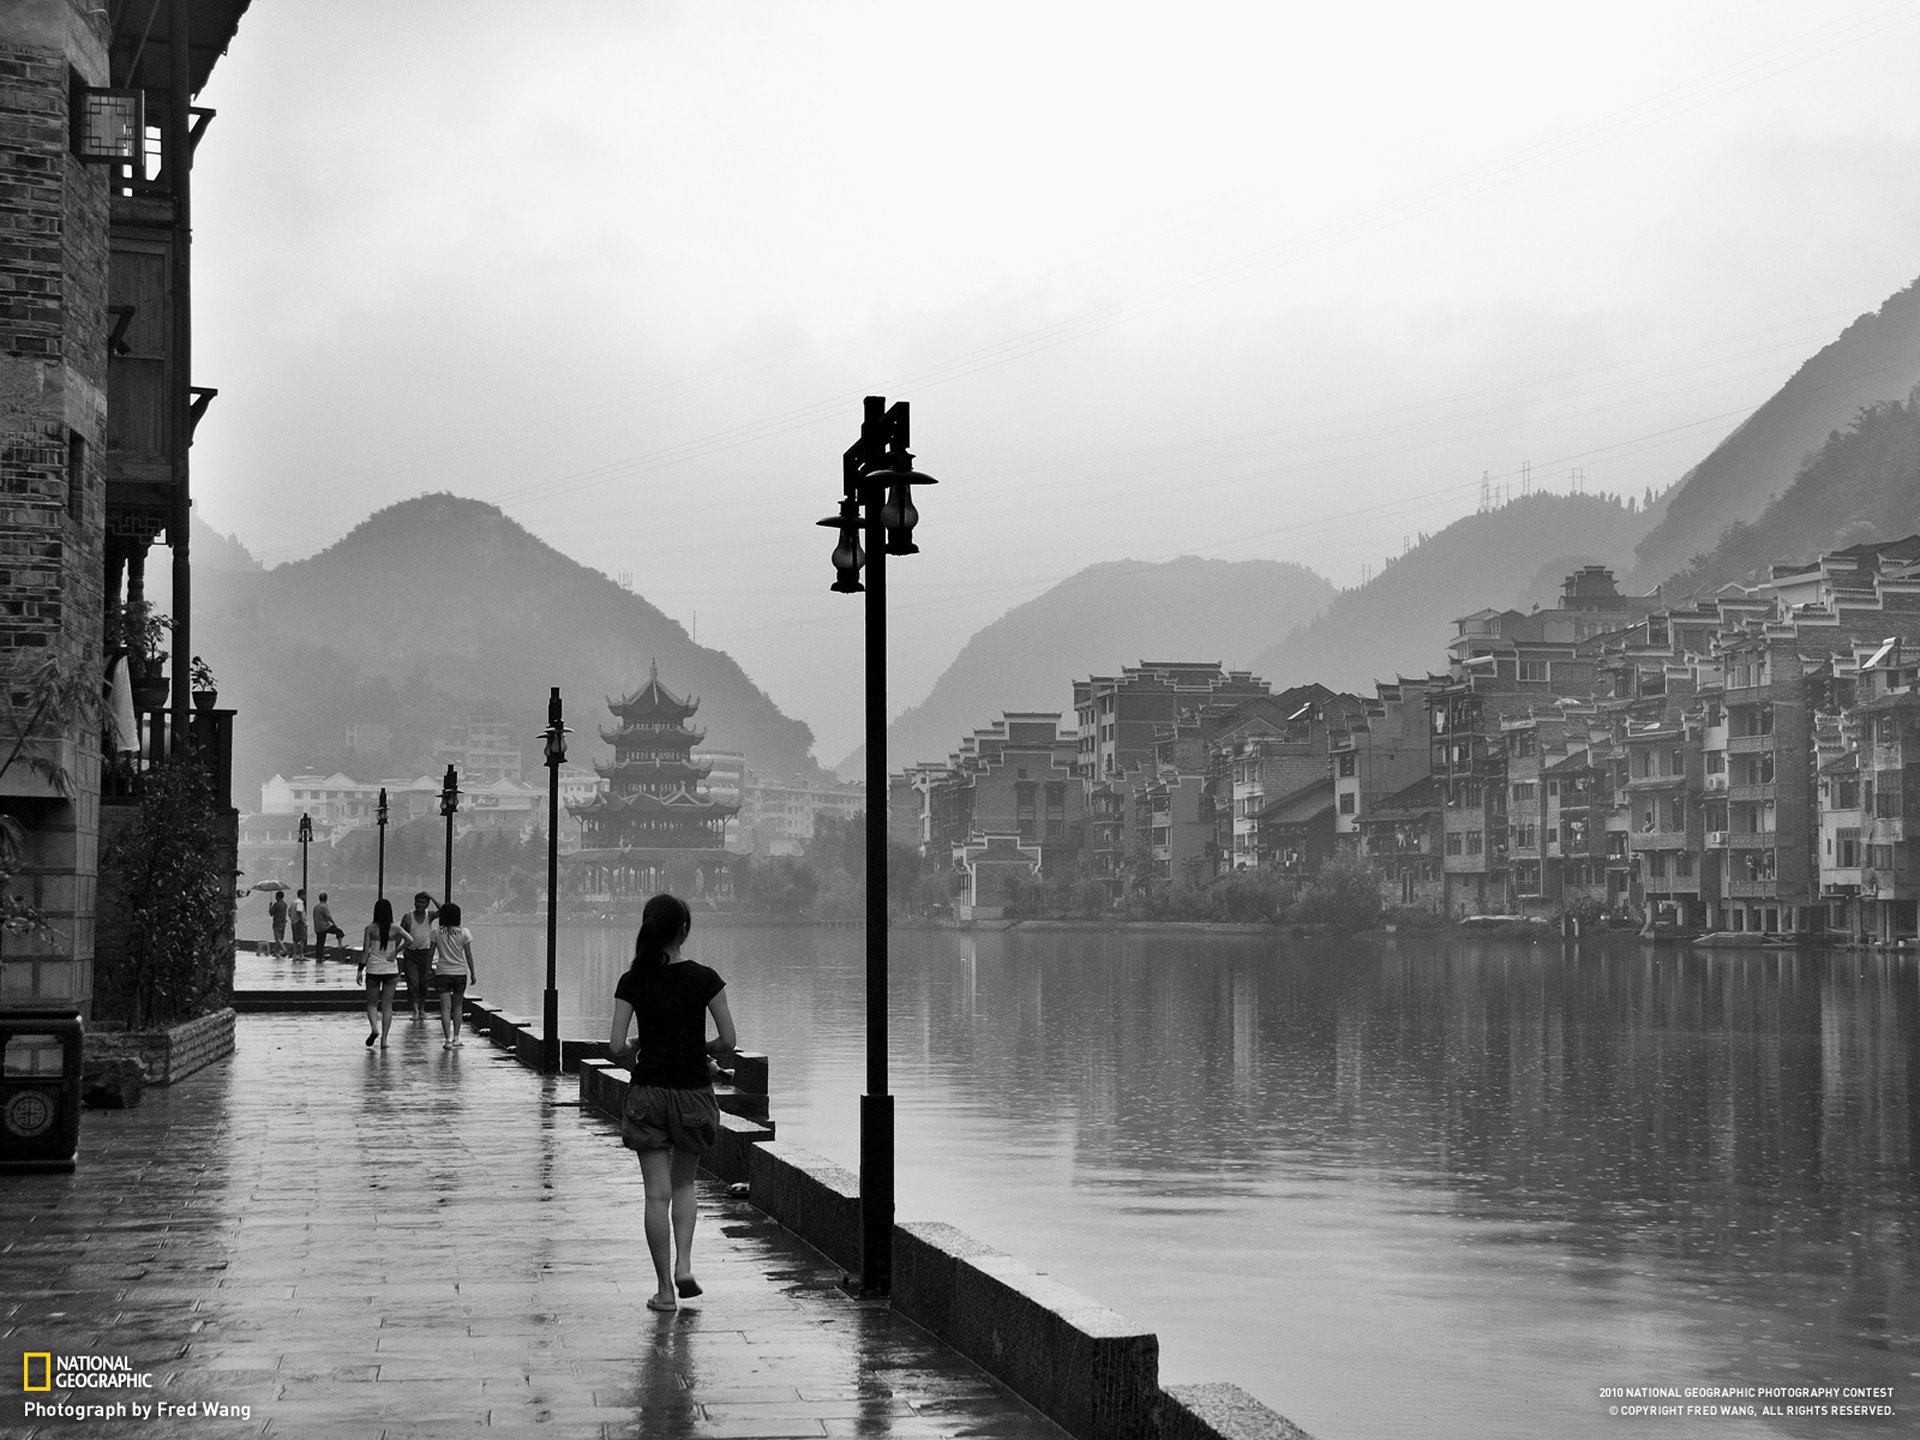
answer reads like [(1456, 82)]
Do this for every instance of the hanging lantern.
[(848, 557)]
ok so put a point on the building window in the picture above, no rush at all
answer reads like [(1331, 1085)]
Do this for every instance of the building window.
[(1346, 802), (1346, 767), (1535, 672), (1453, 842)]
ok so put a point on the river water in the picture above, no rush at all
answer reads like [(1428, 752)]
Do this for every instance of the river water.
[(1403, 1187)]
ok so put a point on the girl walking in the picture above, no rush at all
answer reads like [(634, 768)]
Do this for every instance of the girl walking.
[(380, 945), (671, 1118), (452, 969)]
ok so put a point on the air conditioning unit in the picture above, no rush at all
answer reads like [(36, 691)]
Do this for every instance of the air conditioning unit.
[(1716, 839)]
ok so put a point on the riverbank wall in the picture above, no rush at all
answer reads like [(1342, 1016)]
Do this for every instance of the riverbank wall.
[(1087, 1368)]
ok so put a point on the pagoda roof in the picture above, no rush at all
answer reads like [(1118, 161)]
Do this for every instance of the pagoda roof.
[(653, 700), (681, 802), (633, 732), (658, 769)]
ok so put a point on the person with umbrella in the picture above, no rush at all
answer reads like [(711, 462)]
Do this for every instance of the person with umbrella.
[(277, 912)]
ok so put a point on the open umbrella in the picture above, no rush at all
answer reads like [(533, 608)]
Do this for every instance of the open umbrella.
[(271, 885)]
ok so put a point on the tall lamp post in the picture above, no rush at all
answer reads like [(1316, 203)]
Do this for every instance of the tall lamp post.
[(449, 806), (876, 520), (555, 736), (306, 839), (380, 819)]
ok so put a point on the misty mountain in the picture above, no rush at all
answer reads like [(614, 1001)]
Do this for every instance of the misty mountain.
[(1862, 485), (1107, 616), (1876, 358), (1399, 622), (436, 610)]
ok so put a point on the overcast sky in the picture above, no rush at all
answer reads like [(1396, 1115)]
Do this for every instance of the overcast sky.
[(1263, 280)]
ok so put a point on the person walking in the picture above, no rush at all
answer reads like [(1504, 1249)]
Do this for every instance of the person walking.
[(417, 958), (297, 917), (671, 1117), (277, 912), (452, 969), (380, 947)]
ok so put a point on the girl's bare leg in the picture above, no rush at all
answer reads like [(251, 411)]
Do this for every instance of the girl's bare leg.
[(686, 1166), (656, 1171)]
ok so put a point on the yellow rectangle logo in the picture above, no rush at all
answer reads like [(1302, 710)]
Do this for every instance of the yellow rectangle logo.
[(45, 1358)]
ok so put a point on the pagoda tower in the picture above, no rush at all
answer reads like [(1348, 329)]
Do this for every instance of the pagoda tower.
[(654, 819)]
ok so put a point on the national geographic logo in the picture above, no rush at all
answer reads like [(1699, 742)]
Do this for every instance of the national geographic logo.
[(42, 1370)]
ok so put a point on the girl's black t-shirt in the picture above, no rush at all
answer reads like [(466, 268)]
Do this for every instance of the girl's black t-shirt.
[(670, 1017)]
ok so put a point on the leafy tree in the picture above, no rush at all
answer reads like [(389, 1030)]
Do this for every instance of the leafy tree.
[(1344, 896), (164, 876)]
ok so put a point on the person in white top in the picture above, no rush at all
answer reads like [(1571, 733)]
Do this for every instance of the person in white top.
[(452, 969), (417, 959), (380, 946)]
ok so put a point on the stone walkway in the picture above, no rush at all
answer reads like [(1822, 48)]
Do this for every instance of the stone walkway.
[(417, 1242)]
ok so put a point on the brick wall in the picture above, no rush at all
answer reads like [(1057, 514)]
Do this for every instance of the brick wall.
[(53, 297)]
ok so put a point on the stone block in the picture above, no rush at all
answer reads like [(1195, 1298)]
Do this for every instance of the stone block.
[(730, 1159), (1088, 1369), (926, 1261), (603, 1087), (814, 1198), (736, 1102), (749, 1073), (1221, 1412)]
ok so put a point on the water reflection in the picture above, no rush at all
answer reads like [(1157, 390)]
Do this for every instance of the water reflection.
[(1419, 1187)]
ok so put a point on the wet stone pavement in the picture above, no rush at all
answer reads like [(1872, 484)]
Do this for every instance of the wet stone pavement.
[(421, 1242)]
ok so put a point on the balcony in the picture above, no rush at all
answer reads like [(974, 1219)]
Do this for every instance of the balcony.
[(1659, 840), (1655, 782), (1749, 744), (1751, 839), (1750, 793), (1751, 889)]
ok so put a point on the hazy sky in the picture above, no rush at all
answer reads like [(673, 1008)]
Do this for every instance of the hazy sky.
[(1262, 280)]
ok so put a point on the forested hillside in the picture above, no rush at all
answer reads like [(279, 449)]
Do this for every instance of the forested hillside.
[(1400, 621), (1863, 484), (438, 609)]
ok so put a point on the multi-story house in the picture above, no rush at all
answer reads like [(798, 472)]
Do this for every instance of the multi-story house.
[(98, 133), (1264, 749), (482, 750), (1771, 834), (1120, 720), (1579, 803), (1296, 831), (778, 817), (1401, 836), (1843, 824), (1888, 716), (1008, 805), (1663, 795), (1383, 748)]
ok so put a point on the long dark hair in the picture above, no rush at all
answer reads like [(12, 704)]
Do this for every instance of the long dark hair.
[(383, 917), (449, 916), (664, 921)]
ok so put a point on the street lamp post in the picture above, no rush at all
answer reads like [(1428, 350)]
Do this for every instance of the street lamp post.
[(876, 507), (380, 819), (306, 838), (555, 736), (449, 806)]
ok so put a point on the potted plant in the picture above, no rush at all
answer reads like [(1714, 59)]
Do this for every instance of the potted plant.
[(147, 632), (206, 690)]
